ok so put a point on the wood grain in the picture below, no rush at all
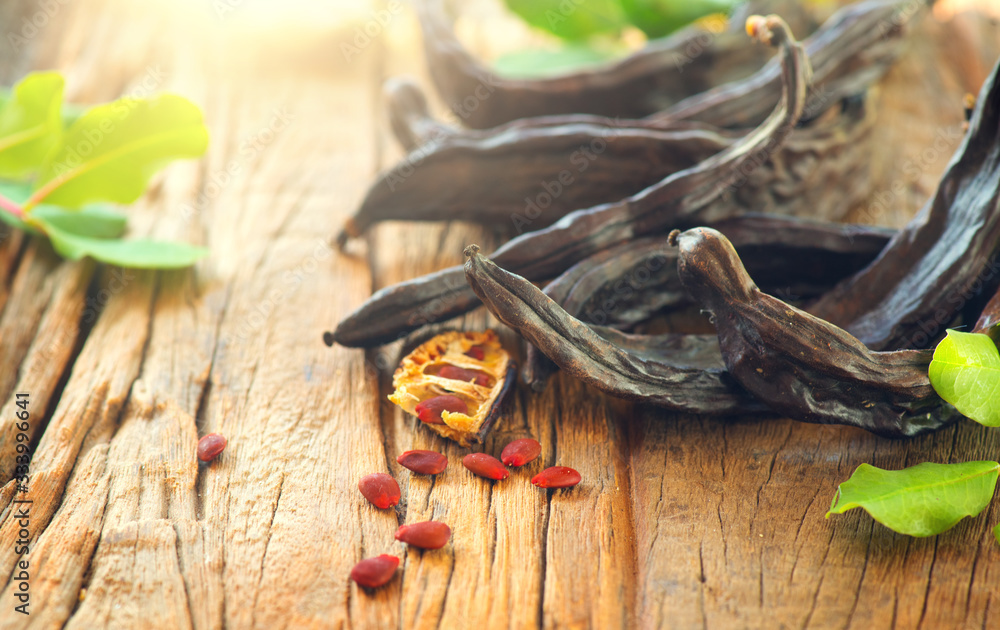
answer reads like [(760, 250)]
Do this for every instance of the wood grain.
[(679, 522)]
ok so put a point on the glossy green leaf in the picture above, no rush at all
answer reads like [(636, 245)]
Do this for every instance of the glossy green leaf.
[(111, 151), (30, 123), (965, 371), (571, 20), (657, 18), (139, 254), (922, 500)]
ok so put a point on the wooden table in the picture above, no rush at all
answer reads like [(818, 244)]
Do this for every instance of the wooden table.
[(680, 521)]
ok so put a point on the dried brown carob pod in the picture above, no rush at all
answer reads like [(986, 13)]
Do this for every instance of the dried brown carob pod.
[(683, 198), (546, 171), (587, 356), (626, 285), (409, 116), (945, 261), (456, 384), (799, 365), (664, 72), (866, 35), (666, 80)]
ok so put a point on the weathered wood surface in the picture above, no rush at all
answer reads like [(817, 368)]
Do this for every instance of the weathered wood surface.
[(680, 521)]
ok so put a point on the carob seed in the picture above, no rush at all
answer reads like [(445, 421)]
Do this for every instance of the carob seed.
[(461, 374), (485, 466), (211, 446), (423, 462), (556, 477), (520, 452), (429, 410), (375, 572), (426, 535), (476, 352), (380, 489)]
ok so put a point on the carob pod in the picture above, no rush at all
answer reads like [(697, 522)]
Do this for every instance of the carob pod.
[(454, 393), (681, 199), (594, 360), (662, 73), (945, 260), (626, 285), (866, 34), (547, 171), (799, 365), (409, 116)]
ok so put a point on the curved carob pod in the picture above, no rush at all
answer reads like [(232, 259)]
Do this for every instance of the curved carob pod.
[(596, 361), (799, 365), (664, 72), (551, 170), (409, 116), (714, 85), (853, 48), (947, 259), (680, 199), (626, 285)]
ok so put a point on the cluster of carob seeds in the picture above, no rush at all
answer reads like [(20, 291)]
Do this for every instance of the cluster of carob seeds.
[(383, 492), (713, 199)]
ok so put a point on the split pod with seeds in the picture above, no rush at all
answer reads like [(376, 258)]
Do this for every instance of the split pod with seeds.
[(455, 383)]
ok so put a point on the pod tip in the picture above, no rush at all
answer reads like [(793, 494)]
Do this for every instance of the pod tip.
[(471, 250), (672, 237)]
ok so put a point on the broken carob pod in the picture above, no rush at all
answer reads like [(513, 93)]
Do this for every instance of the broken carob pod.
[(664, 72), (409, 116), (799, 365), (592, 359), (945, 260), (680, 199), (456, 383)]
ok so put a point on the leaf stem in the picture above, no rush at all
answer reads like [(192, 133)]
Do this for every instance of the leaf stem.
[(12, 207)]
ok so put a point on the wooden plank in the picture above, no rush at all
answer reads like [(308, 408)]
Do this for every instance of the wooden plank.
[(680, 521)]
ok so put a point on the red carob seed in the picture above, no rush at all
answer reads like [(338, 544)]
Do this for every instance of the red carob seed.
[(375, 572), (485, 466), (381, 489), (454, 373), (476, 352), (429, 410), (423, 462), (210, 446), (520, 452), (426, 535), (556, 477)]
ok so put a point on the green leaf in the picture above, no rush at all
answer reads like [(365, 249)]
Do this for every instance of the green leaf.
[(922, 500), (95, 220), (30, 123), (139, 254), (965, 371), (657, 18), (111, 151), (571, 20)]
